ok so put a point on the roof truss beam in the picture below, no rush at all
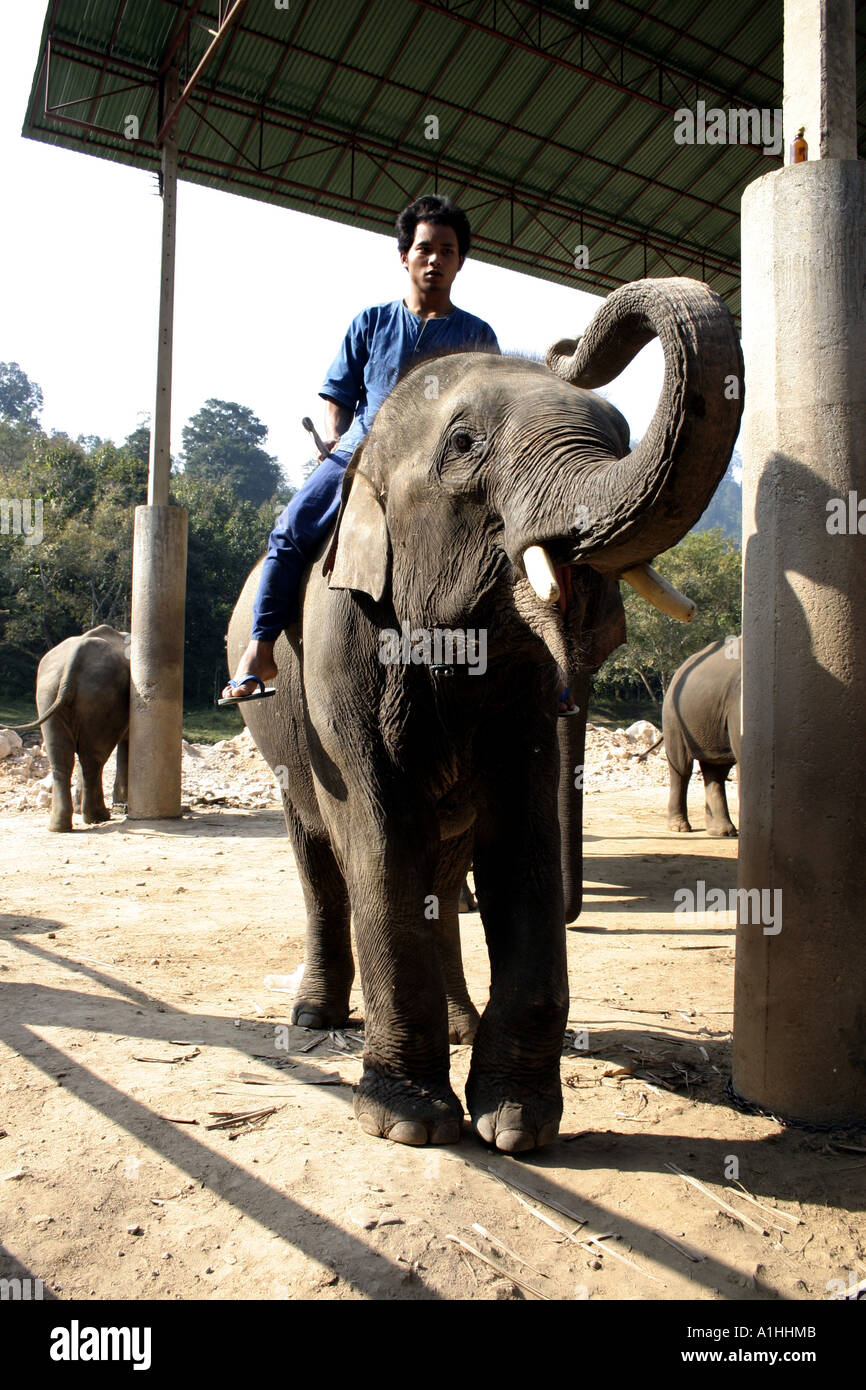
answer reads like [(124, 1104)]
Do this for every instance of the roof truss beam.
[(583, 48), (225, 23), (265, 116), (391, 162)]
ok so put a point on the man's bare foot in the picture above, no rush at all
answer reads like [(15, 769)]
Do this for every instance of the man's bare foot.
[(257, 660)]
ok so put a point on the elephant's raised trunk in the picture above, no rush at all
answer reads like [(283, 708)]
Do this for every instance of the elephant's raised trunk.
[(642, 504)]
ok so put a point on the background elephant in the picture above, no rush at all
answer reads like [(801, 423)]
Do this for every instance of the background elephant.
[(82, 694), (701, 720), (505, 502)]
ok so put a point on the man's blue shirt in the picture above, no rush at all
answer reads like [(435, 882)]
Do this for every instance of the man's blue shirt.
[(379, 344)]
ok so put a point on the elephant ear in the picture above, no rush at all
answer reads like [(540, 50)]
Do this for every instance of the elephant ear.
[(360, 554)]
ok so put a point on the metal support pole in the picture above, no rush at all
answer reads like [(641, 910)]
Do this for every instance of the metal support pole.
[(159, 565), (160, 436)]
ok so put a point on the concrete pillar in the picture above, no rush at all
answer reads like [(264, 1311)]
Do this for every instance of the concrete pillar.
[(159, 565), (156, 662), (820, 80), (800, 996)]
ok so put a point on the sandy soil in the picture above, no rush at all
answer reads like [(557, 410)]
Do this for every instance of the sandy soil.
[(133, 959)]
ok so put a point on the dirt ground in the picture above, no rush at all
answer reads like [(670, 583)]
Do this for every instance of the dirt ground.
[(133, 960)]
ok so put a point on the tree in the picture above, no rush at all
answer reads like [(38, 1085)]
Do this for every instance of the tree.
[(725, 510), (225, 539), (222, 444), (138, 444), (707, 567), (77, 572), (20, 398)]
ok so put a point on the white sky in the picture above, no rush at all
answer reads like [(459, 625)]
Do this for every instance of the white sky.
[(263, 296)]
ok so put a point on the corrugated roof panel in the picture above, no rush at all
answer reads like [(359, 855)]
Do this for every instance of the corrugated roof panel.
[(570, 116)]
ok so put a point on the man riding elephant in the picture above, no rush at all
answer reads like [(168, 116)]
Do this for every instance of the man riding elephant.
[(433, 238), (506, 502)]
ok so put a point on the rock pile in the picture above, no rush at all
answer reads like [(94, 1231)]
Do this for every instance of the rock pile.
[(620, 758), (10, 742), (232, 772)]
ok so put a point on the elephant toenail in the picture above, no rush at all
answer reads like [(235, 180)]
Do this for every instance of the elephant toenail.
[(514, 1141), (485, 1129), (447, 1133), (369, 1125), (408, 1132)]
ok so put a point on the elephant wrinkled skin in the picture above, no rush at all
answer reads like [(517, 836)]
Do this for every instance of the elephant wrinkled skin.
[(82, 695), (398, 775)]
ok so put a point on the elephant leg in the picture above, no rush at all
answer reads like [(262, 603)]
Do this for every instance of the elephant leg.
[(61, 755), (121, 773), (513, 1090), (93, 807), (719, 823), (449, 886), (466, 900), (323, 1001), (404, 1093), (678, 800)]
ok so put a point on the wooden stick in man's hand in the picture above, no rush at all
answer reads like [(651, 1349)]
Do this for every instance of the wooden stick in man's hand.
[(311, 428)]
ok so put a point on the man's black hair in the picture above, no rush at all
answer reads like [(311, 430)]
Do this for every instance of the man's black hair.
[(442, 213)]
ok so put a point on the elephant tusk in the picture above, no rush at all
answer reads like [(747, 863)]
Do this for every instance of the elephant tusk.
[(660, 592), (541, 574)]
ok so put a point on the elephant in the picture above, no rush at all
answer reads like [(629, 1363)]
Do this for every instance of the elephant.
[(701, 720), (494, 498), (82, 694)]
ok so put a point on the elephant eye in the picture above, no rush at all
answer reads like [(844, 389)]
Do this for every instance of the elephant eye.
[(462, 442)]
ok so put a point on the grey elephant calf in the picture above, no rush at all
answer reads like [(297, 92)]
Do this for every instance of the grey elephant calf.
[(701, 720), (82, 695)]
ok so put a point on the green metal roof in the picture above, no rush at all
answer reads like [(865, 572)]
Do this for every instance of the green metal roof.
[(555, 124)]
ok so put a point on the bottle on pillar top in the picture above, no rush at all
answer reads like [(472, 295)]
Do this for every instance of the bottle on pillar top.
[(799, 148)]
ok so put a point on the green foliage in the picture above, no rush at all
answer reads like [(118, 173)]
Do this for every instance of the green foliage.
[(725, 511), (707, 567), (206, 723), (222, 444), (77, 573), (226, 537), (138, 444), (20, 398)]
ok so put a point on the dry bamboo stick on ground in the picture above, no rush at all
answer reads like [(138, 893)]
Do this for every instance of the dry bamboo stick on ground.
[(476, 1226), (683, 1249), (608, 1250), (545, 1201), (230, 1120), (740, 1191), (500, 1269), (718, 1201), (548, 1220)]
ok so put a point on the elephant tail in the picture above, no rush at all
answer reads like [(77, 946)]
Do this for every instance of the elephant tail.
[(641, 757), (35, 723), (60, 697)]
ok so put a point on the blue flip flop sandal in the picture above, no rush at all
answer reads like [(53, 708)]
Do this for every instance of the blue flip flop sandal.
[(262, 693), (566, 713)]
